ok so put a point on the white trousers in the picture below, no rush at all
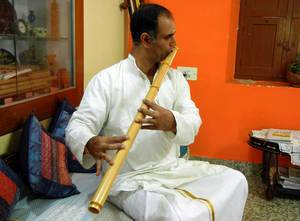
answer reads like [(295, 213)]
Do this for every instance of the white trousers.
[(226, 191)]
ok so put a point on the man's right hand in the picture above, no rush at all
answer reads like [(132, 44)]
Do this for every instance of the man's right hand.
[(98, 145)]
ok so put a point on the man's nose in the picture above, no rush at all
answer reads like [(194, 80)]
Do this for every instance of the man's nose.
[(173, 42)]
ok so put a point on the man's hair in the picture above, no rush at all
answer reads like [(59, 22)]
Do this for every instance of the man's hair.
[(145, 19)]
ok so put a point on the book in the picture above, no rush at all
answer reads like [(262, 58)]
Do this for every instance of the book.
[(289, 185), (294, 172), (11, 74), (289, 175), (280, 135)]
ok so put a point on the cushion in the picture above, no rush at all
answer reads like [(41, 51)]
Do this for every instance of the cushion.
[(11, 189), (184, 152), (44, 162), (57, 128), (60, 120)]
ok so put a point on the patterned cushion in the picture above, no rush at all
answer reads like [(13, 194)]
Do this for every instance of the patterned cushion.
[(11, 189), (60, 120), (57, 128), (43, 161)]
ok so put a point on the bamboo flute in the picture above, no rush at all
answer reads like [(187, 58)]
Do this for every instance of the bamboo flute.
[(101, 194)]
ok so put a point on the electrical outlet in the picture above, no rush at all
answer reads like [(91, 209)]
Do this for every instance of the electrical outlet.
[(190, 73)]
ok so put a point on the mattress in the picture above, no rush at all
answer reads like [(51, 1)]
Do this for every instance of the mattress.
[(71, 208), (227, 191)]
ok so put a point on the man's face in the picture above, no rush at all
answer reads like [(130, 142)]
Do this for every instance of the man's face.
[(165, 39)]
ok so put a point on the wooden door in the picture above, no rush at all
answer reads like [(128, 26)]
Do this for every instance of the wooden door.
[(262, 39), (296, 9), (266, 8), (261, 52)]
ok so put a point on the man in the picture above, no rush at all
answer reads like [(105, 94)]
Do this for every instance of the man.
[(154, 184)]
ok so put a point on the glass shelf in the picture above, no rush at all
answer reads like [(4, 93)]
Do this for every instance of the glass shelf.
[(40, 61), (38, 70), (24, 37)]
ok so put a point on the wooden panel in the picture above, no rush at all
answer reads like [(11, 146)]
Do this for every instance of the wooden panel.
[(296, 9), (294, 44), (269, 8), (260, 55)]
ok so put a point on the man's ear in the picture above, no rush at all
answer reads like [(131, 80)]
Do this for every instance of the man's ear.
[(146, 39)]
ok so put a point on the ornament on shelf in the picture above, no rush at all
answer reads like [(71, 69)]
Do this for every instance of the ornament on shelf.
[(7, 17), (54, 19), (31, 17)]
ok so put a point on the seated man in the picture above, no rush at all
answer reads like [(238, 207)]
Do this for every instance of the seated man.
[(154, 184)]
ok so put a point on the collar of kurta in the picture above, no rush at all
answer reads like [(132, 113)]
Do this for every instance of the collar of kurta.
[(131, 59), (135, 67)]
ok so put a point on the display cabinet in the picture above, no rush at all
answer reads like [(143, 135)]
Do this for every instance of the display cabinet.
[(41, 58)]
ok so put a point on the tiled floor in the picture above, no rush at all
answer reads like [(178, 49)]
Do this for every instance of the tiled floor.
[(260, 209), (257, 207)]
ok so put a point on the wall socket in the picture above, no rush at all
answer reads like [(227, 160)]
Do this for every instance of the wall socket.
[(190, 73)]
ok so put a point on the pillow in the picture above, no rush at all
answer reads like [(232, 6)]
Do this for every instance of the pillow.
[(57, 128), (11, 189), (44, 162), (60, 120), (184, 152)]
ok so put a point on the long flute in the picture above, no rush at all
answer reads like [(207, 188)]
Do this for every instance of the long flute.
[(103, 189)]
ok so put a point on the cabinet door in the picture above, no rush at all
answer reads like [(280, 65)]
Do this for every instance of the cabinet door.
[(260, 55), (41, 43)]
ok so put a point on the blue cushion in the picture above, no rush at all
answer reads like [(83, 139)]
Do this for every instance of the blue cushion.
[(184, 152), (44, 162), (60, 120), (11, 190), (57, 128)]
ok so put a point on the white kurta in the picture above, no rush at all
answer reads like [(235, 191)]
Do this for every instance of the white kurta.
[(108, 107)]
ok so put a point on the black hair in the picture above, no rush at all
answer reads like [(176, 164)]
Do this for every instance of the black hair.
[(145, 19)]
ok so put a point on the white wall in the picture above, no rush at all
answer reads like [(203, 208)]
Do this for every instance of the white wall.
[(103, 35)]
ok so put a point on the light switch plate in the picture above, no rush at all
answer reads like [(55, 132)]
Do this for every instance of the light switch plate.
[(190, 73)]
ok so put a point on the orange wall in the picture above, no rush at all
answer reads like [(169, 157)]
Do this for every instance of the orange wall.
[(206, 36)]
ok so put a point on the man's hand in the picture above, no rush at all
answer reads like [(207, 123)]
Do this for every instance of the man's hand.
[(158, 118), (98, 145)]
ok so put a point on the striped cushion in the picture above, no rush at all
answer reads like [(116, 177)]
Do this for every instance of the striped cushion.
[(11, 188), (44, 162)]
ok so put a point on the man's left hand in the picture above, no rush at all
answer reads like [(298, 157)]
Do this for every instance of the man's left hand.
[(157, 117)]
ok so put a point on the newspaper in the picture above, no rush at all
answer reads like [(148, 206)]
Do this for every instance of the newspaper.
[(288, 141), (289, 177)]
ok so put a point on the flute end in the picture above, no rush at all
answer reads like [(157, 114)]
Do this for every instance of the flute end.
[(95, 207)]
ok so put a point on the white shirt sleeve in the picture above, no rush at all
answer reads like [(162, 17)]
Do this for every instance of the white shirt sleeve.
[(185, 112), (88, 120)]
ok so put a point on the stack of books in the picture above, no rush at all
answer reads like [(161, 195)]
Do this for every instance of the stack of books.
[(289, 177), (24, 81)]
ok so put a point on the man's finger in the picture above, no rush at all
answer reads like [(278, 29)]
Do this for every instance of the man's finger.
[(117, 139), (150, 104), (149, 127), (98, 166), (150, 121), (114, 146), (150, 113), (107, 159)]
